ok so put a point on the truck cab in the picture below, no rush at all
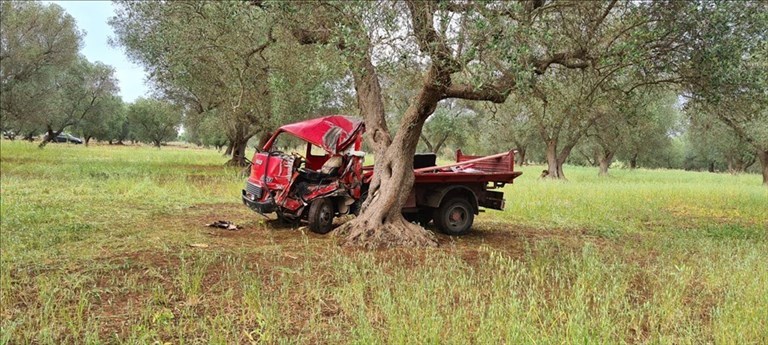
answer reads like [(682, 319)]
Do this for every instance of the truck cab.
[(316, 186)]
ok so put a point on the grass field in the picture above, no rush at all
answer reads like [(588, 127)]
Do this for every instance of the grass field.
[(96, 249)]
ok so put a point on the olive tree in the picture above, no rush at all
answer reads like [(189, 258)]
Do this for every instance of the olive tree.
[(154, 121), (479, 51), (38, 42), (728, 72)]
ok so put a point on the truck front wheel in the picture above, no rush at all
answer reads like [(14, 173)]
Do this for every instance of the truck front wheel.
[(321, 216), (454, 216)]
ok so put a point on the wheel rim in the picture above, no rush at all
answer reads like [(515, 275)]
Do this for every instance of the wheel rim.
[(326, 215), (457, 217)]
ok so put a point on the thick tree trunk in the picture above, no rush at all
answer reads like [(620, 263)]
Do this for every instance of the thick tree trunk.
[(238, 153), (50, 135), (605, 162), (711, 167), (521, 156), (762, 156), (263, 139), (156, 143), (87, 140), (228, 151), (633, 161), (554, 163), (381, 222)]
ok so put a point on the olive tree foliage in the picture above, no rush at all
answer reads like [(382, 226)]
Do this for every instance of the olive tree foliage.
[(507, 126), (450, 125), (205, 55), (563, 108), (154, 121), (653, 121), (207, 130), (225, 61), (479, 51), (107, 123), (637, 126), (84, 93), (38, 42), (713, 145), (728, 75)]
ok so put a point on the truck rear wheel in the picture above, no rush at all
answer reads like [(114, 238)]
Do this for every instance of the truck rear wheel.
[(321, 216), (454, 216)]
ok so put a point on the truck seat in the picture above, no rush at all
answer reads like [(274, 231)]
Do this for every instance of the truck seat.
[(424, 160)]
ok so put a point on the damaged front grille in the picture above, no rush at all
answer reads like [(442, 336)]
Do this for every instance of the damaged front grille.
[(253, 190)]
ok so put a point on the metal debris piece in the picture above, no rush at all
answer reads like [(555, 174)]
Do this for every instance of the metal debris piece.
[(224, 224)]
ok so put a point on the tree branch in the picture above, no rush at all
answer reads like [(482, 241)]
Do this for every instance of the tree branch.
[(492, 93), (570, 59)]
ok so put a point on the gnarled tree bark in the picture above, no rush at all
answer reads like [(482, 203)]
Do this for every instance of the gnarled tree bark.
[(606, 157), (381, 223)]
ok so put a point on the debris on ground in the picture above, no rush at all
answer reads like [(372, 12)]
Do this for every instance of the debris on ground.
[(224, 224), (198, 245)]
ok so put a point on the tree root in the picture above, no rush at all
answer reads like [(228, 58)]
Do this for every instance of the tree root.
[(361, 232)]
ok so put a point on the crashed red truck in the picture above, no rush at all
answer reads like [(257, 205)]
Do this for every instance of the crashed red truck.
[(316, 188)]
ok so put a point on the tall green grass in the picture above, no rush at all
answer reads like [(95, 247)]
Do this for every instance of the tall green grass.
[(685, 203), (95, 250)]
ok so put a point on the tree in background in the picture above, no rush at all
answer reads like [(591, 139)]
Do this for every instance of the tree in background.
[(118, 128), (451, 123), (85, 92), (206, 55), (728, 72), (154, 121), (712, 145), (652, 118), (38, 42), (224, 59), (562, 109), (634, 126), (507, 126), (207, 131), (107, 122)]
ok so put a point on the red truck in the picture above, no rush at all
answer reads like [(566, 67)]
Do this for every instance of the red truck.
[(316, 187)]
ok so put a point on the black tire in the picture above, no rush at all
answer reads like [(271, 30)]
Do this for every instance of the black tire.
[(321, 215), (454, 216)]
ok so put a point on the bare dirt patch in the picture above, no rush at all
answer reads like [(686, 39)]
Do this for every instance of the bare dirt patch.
[(257, 230)]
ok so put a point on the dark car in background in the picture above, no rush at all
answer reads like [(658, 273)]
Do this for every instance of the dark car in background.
[(66, 138)]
